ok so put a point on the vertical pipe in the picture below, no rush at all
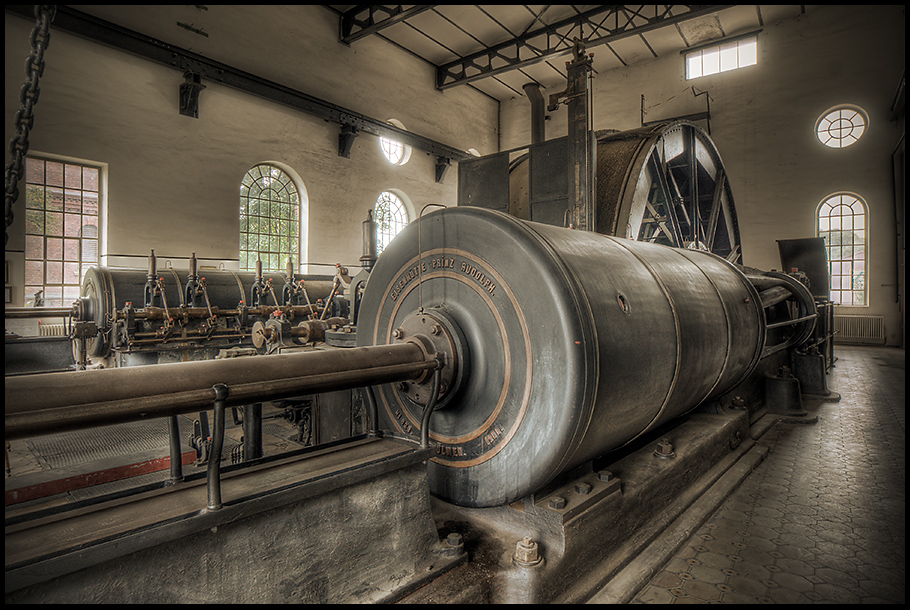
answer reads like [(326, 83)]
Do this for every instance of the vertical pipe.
[(213, 481), (173, 432), (537, 112), (252, 431)]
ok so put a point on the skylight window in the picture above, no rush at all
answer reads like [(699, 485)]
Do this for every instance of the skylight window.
[(722, 57)]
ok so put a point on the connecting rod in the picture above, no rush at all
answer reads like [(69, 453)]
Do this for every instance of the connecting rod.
[(57, 402)]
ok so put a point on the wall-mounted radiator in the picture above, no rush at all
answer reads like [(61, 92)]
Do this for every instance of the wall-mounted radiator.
[(859, 329), (51, 330)]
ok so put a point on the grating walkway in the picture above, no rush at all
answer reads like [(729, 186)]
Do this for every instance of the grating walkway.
[(822, 519)]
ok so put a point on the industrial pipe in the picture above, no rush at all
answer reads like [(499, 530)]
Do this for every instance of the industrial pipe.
[(57, 402), (537, 112)]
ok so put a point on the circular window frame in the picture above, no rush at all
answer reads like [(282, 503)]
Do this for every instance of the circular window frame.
[(839, 140), (405, 149)]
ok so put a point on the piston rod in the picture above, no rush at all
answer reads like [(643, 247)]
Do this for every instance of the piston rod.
[(57, 402)]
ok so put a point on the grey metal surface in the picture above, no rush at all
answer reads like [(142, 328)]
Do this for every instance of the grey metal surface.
[(484, 182), (822, 520), (577, 343)]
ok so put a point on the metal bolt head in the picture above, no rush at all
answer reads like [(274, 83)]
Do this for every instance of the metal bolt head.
[(605, 475), (401, 386), (454, 539), (397, 333), (557, 502), (526, 552), (664, 449), (738, 403), (436, 330), (583, 488)]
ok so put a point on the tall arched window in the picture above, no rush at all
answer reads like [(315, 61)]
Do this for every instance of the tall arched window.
[(391, 216), (842, 222), (269, 219)]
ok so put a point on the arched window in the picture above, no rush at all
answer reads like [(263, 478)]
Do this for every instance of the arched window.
[(269, 218), (396, 152), (391, 216), (842, 222)]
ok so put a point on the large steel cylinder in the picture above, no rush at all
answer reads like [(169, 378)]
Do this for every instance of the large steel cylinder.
[(568, 344)]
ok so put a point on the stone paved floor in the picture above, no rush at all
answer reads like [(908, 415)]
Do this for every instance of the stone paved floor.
[(822, 519)]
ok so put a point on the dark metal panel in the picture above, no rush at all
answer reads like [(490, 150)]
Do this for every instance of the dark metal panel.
[(484, 182), (807, 255), (548, 190)]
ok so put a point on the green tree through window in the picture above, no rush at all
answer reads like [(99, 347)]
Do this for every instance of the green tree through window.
[(269, 219), (842, 222)]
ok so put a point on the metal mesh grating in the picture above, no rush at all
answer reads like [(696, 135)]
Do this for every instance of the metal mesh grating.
[(80, 446)]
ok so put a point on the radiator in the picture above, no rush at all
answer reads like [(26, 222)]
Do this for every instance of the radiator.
[(859, 329), (51, 330)]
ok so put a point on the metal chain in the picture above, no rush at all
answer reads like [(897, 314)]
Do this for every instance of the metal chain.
[(28, 98)]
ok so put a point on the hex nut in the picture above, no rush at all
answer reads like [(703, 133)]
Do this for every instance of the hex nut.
[(583, 488), (397, 333), (557, 502), (605, 475), (455, 539), (526, 552)]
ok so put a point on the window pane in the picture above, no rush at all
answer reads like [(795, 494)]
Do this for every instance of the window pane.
[(70, 249), (70, 273), (89, 251), (728, 57), (73, 225), (54, 199), (54, 248), (34, 272), (34, 222), (34, 197), (710, 61), (90, 203), (34, 171), (90, 178), (54, 173), (73, 176), (34, 247), (748, 53), (54, 272)]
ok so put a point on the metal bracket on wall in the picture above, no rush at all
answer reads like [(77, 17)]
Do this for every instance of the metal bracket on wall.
[(442, 166), (189, 94), (346, 140)]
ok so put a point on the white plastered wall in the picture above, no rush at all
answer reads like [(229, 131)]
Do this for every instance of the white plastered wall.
[(173, 181)]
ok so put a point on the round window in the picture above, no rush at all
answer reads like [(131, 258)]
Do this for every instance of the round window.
[(841, 126)]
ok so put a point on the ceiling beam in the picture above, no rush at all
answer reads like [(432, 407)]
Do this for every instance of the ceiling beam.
[(365, 19), (550, 42), (129, 41)]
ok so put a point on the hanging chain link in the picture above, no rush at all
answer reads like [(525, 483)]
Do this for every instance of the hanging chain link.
[(28, 97)]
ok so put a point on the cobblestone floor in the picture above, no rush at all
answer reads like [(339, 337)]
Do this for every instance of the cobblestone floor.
[(822, 519)]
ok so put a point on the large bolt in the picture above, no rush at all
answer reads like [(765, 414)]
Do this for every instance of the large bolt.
[(436, 330), (738, 403), (557, 502), (454, 539), (397, 333), (605, 475), (583, 488), (664, 449), (526, 553)]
